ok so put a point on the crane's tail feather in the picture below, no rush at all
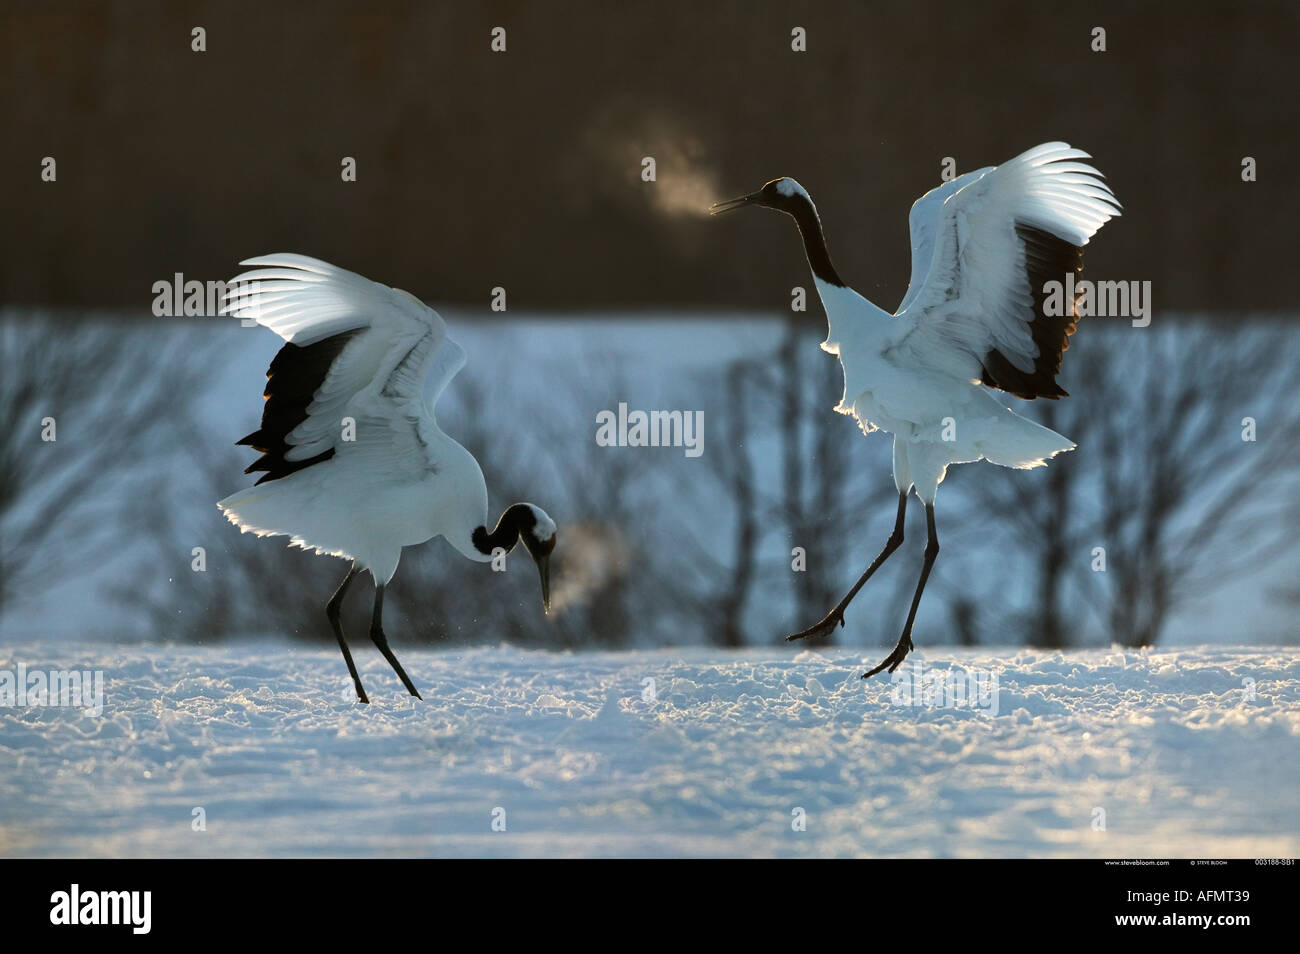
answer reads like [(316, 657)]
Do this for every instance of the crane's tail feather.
[(1031, 446), (262, 512)]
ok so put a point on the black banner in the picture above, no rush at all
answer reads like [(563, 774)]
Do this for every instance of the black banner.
[(1231, 900)]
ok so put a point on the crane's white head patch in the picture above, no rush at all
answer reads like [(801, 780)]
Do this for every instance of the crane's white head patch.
[(788, 187), (543, 526)]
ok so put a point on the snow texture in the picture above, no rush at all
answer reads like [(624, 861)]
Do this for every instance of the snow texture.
[(1189, 754)]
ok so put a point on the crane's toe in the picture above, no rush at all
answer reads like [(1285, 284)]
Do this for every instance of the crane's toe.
[(824, 628), (894, 659)]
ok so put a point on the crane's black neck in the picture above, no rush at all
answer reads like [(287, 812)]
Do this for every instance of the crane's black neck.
[(513, 522), (814, 241)]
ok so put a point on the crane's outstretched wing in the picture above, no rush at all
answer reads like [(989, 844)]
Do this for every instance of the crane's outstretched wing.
[(922, 222), (354, 348), (983, 246)]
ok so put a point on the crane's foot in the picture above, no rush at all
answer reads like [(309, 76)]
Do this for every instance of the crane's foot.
[(894, 659), (824, 628), (361, 695)]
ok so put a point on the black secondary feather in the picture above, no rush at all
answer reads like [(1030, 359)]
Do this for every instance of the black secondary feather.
[(295, 375), (1047, 258)]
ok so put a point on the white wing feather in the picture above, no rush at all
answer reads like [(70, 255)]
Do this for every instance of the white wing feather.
[(379, 378), (922, 222), (975, 296)]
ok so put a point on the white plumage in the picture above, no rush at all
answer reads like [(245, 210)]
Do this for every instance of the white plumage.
[(911, 372), (357, 466), (401, 481), (973, 315)]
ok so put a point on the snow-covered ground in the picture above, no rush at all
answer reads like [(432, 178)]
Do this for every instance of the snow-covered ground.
[(697, 752)]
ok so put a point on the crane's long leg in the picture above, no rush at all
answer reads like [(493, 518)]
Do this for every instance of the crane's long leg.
[(895, 659), (332, 611), (837, 614), (380, 640)]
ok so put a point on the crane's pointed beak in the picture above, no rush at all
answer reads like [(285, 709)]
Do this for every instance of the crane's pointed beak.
[(737, 203), (544, 570)]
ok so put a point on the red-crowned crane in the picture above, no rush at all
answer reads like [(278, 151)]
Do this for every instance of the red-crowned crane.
[(984, 246), (359, 351)]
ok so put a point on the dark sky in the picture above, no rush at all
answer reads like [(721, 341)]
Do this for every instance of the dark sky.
[(521, 169)]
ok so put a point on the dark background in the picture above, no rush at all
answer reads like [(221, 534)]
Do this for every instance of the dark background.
[(521, 169)]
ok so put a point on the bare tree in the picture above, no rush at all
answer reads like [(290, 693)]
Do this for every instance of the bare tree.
[(1188, 502), (1162, 480), (88, 408), (1040, 511), (659, 549), (732, 466), (782, 475)]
